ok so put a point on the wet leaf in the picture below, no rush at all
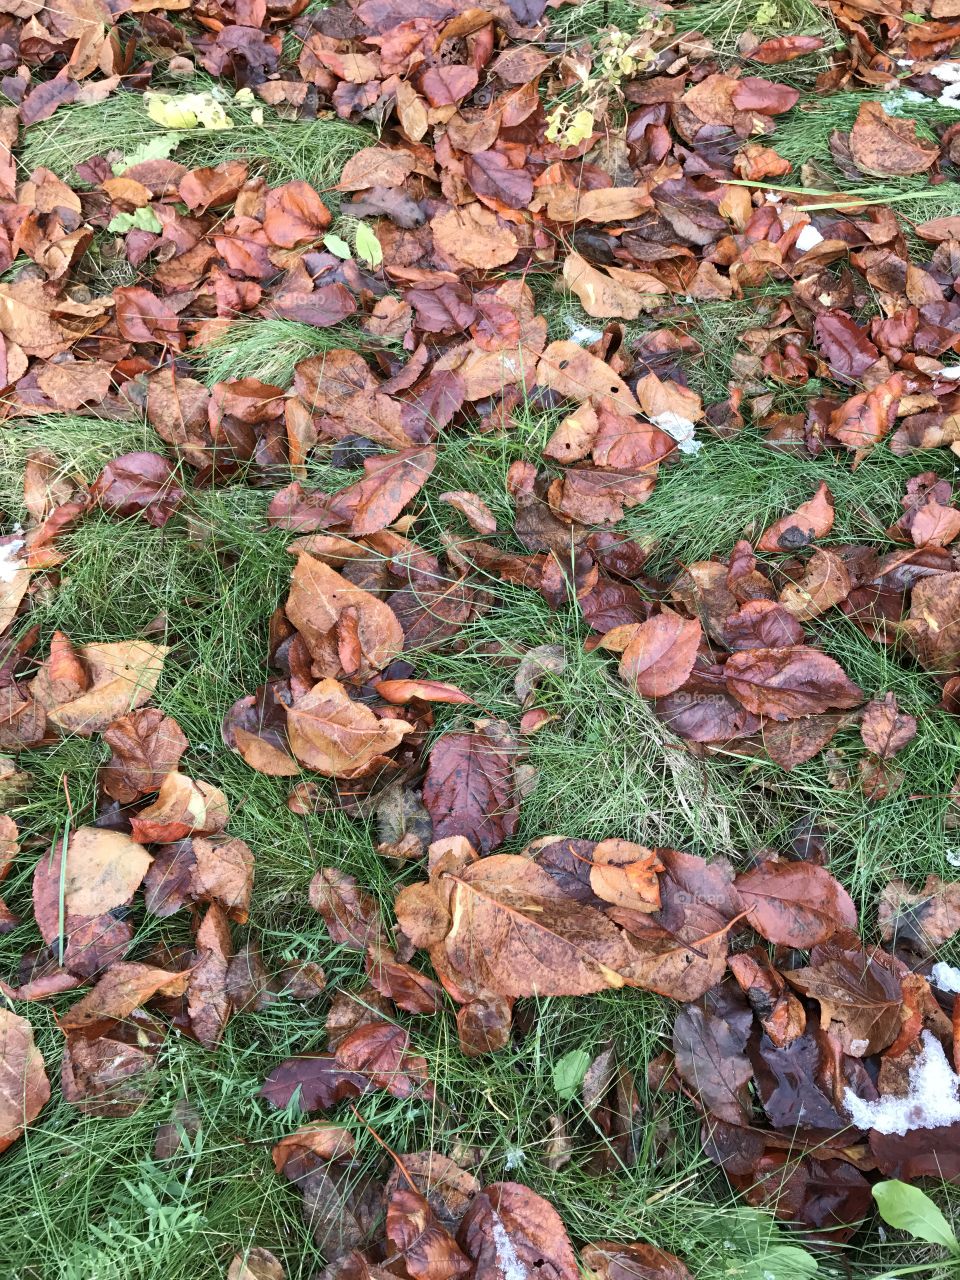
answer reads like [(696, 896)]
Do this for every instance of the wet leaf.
[(470, 790), (24, 1087), (795, 904)]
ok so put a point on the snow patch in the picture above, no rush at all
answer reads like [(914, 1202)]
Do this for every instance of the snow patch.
[(582, 334), (950, 97), (808, 238), (951, 371), (511, 1268), (948, 72), (932, 1101), (10, 566), (946, 977), (681, 428)]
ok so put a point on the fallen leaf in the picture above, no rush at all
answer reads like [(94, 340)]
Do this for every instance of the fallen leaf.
[(183, 807), (103, 870), (886, 146), (337, 736), (661, 654), (511, 1233), (470, 789), (24, 1087), (790, 682), (885, 729), (795, 904)]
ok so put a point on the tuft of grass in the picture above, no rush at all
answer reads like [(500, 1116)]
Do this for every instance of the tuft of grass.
[(314, 150), (270, 349)]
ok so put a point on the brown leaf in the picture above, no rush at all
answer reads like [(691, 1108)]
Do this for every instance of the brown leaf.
[(405, 986), (119, 678), (483, 1025), (606, 1260), (791, 682), (797, 741), (309, 1147), (256, 1264), (661, 654), (795, 904), (446, 84), (886, 146), (885, 729), (223, 873), (625, 875), (710, 1059), (400, 692), (681, 950), (294, 215), (785, 48), (470, 790), (139, 484), (860, 997), (337, 736), (924, 919), (825, 582), (573, 372), (932, 631), (472, 235), (514, 932), (319, 1082), (111, 1074), (365, 507), (427, 1249), (24, 1087), (511, 1233), (104, 869), (378, 1050), (474, 510), (146, 745), (208, 999), (183, 807), (322, 603), (490, 174), (124, 987), (350, 914), (812, 519)]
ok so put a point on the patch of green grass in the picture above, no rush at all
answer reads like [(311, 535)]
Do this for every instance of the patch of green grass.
[(270, 349), (314, 150)]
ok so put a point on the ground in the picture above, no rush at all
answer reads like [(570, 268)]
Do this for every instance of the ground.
[(85, 1198)]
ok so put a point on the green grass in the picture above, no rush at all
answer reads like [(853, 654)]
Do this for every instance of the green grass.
[(315, 150), (90, 1199)]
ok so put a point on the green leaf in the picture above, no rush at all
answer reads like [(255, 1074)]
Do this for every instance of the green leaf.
[(337, 246), (909, 1209), (142, 219), (367, 246), (780, 1262), (568, 1072), (159, 147)]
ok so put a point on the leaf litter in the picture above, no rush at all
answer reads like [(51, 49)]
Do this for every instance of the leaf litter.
[(818, 1050)]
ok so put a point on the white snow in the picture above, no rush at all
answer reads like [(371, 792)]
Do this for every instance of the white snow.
[(953, 857), (582, 334), (809, 238), (948, 72), (681, 428), (950, 97), (511, 1268), (859, 1047), (950, 371), (946, 977), (932, 1101), (10, 566)]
